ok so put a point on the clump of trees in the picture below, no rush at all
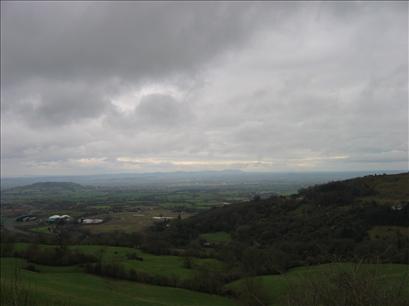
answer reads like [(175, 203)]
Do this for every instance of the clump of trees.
[(202, 280), (134, 256), (244, 260), (252, 292), (54, 256), (7, 245), (338, 193)]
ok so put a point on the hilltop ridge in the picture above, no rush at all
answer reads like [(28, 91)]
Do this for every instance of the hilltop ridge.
[(319, 223)]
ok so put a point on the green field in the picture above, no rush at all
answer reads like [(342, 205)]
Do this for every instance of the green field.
[(384, 232), (56, 283), (277, 286), (163, 265), (216, 237), (67, 286), (41, 229)]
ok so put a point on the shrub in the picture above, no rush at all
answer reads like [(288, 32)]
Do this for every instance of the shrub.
[(353, 288), (134, 256), (252, 292), (31, 268), (55, 256)]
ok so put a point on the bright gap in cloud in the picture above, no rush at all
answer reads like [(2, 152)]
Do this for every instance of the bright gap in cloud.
[(128, 100)]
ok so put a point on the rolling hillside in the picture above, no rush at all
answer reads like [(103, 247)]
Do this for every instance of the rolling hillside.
[(318, 224)]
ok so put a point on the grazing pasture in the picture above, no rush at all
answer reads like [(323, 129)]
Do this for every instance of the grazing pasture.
[(155, 265), (216, 237), (69, 287), (131, 221)]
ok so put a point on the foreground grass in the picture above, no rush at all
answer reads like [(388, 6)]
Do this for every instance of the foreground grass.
[(276, 287), (56, 285)]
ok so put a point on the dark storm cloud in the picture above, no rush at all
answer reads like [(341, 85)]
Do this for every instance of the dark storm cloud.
[(118, 39), (61, 104), (150, 86), (102, 44)]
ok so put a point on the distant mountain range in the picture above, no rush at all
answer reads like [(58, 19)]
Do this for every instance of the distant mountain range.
[(51, 187), (189, 178)]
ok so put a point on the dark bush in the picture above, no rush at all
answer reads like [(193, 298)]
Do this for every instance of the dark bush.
[(134, 256), (31, 268), (55, 256), (354, 287)]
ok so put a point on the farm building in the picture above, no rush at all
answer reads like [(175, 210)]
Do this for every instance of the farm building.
[(26, 218), (58, 218), (397, 207), (90, 221), (162, 218)]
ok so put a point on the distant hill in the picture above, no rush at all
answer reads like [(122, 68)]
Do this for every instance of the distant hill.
[(227, 177), (48, 187), (51, 186), (48, 192)]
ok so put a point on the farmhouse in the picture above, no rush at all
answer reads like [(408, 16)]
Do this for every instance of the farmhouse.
[(90, 221), (397, 207), (26, 218), (162, 218), (58, 218)]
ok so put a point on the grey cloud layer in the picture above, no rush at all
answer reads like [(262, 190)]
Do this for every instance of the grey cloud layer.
[(123, 39), (112, 87)]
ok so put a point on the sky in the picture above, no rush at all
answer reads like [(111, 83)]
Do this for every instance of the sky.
[(114, 87)]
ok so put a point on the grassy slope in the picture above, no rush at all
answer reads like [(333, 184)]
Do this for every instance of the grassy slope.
[(276, 286), (151, 264), (385, 232), (216, 237), (389, 188), (67, 284)]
